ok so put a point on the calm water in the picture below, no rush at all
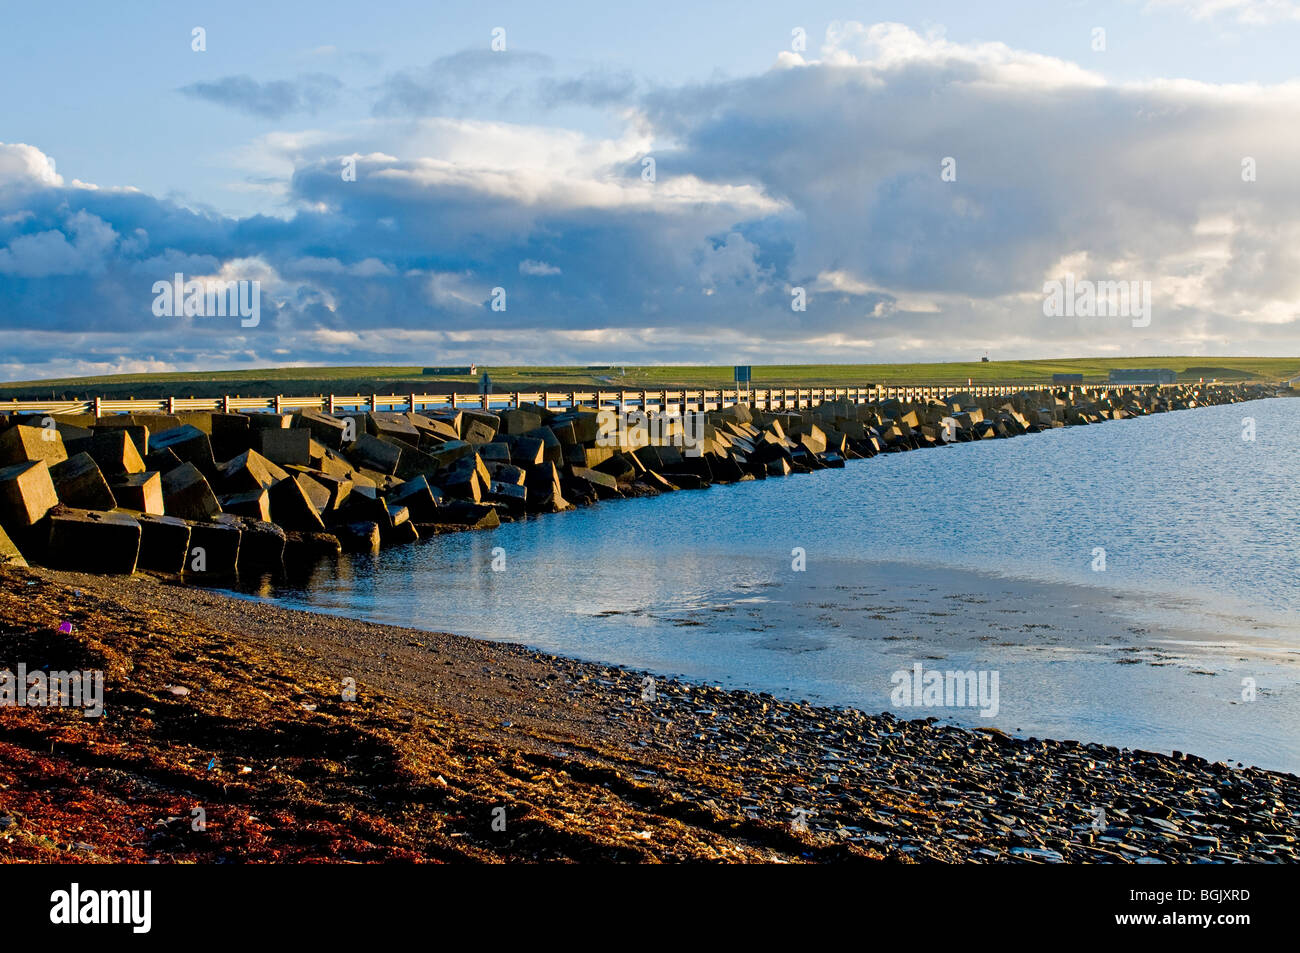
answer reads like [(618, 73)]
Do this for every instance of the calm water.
[(1199, 525)]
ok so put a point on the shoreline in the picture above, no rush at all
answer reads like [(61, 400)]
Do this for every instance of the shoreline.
[(448, 728)]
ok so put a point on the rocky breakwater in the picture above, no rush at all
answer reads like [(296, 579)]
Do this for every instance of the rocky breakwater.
[(213, 496)]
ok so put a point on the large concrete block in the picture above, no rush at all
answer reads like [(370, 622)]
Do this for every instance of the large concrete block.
[(79, 483), (468, 478), (285, 447), (361, 537), (317, 492), (261, 545), (190, 444), (467, 515), (520, 421), (199, 419), (91, 541), (162, 461), (125, 422), (249, 471), (187, 494), (336, 488), (544, 490), (498, 451), (156, 423), (20, 444), (505, 472), (164, 543), (414, 463), (507, 494), (604, 485), (478, 431), (451, 451), (585, 425), (255, 504), (230, 435), (26, 494), (552, 449), (371, 453), (333, 432), (302, 551), (418, 497), (9, 552), (139, 491), (269, 421), (293, 509), (528, 451), (214, 549), (813, 439), (392, 426), (486, 421)]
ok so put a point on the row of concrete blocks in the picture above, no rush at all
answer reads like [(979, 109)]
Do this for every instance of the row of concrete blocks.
[(85, 497)]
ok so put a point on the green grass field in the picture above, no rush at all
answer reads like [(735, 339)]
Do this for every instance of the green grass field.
[(306, 381)]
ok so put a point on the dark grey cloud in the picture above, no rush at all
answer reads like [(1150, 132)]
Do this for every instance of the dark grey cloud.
[(459, 81), (275, 99), (473, 80)]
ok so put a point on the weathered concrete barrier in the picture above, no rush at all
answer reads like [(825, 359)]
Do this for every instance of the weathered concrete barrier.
[(212, 495), (92, 541)]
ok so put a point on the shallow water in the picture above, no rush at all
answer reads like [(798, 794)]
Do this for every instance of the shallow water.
[(1201, 536)]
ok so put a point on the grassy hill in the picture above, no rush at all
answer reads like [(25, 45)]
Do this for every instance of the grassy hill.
[(306, 381)]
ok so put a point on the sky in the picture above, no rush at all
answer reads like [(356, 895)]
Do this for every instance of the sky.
[(596, 183)]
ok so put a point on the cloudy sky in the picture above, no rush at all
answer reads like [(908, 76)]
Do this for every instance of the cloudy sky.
[(792, 146)]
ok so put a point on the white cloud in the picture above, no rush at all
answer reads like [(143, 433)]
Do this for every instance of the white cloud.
[(537, 269)]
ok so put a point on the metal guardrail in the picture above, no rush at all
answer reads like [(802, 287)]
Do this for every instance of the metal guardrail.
[(682, 399)]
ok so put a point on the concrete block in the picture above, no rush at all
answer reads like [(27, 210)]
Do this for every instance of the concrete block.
[(467, 515), (328, 429), (20, 444), (528, 451), (254, 504), (362, 537), (477, 431), (230, 435), (187, 494), (141, 492), (164, 543), (269, 421), (451, 451), (507, 494), (552, 449), (249, 471), (214, 549), (125, 422), (604, 485), (520, 420), (9, 553), (79, 483), (419, 497), (369, 452), (477, 423), (505, 472), (285, 447), (293, 509), (163, 461), (302, 551), (434, 430), (92, 541), (190, 444), (261, 545), (544, 489), (26, 494)]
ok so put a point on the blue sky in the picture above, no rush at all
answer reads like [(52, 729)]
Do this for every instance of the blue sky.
[(125, 156)]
